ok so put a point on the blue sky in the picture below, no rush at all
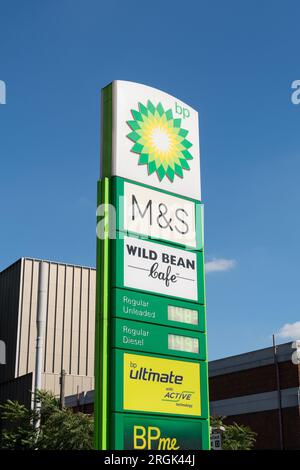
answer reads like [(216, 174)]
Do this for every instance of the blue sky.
[(233, 61)]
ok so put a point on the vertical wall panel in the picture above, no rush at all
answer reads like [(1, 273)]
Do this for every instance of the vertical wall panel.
[(74, 350), (83, 322), (67, 319), (50, 318), (59, 319), (26, 309), (32, 319), (91, 329)]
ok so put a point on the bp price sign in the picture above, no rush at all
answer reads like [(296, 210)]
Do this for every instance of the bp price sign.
[(172, 312), (151, 381), (158, 339)]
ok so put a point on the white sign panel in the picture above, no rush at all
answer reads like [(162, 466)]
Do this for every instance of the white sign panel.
[(155, 139), (159, 215), (160, 269)]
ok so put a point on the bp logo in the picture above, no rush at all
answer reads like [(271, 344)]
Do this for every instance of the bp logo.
[(160, 141)]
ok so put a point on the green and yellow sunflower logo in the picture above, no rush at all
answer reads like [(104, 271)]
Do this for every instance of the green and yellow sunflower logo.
[(160, 141)]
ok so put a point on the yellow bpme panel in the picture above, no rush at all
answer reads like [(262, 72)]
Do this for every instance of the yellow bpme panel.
[(155, 384)]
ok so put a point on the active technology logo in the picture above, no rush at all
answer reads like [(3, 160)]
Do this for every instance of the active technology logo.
[(160, 140)]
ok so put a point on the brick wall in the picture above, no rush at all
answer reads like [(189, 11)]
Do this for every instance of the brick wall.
[(87, 408), (265, 424), (251, 381)]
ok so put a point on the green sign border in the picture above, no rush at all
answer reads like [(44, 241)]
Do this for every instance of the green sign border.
[(102, 346), (106, 128)]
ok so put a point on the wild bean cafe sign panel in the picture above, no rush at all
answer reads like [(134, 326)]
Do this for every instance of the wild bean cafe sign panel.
[(158, 268), (151, 389)]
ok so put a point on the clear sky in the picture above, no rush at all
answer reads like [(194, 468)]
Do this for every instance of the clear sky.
[(234, 62)]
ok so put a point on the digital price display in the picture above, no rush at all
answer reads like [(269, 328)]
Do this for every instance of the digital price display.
[(183, 315), (183, 343)]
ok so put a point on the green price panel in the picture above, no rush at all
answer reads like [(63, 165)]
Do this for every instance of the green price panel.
[(157, 268), (142, 432), (149, 308), (156, 214), (144, 383), (158, 339)]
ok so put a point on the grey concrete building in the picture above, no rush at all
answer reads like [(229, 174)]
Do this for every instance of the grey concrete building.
[(69, 332)]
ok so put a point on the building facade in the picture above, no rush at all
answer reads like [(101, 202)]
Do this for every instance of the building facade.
[(69, 332), (247, 389)]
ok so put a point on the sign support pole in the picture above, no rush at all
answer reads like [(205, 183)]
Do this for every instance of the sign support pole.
[(151, 379), (102, 314)]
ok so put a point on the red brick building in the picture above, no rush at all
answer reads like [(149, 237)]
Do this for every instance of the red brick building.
[(247, 389)]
